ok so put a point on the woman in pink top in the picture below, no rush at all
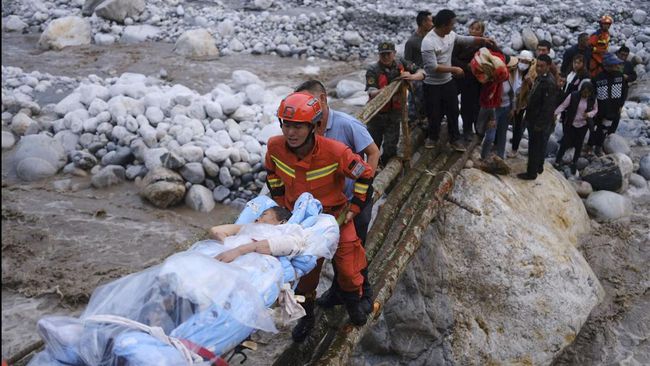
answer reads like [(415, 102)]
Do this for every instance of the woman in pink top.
[(580, 107)]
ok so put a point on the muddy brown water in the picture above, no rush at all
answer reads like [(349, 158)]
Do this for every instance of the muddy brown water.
[(59, 246)]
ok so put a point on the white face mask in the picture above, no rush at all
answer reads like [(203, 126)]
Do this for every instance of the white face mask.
[(522, 66)]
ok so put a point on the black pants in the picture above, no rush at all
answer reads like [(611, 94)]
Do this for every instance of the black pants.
[(518, 128), (573, 137), (361, 223), (442, 100), (470, 90), (598, 137), (536, 152)]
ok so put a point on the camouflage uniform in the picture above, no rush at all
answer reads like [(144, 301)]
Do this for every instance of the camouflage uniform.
[(385, 126)]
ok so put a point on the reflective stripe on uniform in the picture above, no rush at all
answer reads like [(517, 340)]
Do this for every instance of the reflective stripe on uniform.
[(322, 172), (275, 182), (360, 188), (286, 169)]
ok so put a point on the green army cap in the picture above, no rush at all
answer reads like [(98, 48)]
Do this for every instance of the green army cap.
[(386, 47)]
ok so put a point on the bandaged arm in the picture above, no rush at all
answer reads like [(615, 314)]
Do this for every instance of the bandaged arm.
[(277, 246)]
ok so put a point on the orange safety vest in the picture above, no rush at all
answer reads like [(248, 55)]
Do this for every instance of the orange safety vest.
[(322, 173)]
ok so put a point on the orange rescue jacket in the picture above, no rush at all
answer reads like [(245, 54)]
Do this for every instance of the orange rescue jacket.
[(321, 173)]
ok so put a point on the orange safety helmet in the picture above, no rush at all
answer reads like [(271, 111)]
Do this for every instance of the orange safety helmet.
[(300, 107), (606, 19)]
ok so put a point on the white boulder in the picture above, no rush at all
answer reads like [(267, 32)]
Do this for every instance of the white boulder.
[(64, 32), (197, 43)]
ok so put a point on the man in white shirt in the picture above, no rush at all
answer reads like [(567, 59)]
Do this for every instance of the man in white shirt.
[(440, 93)]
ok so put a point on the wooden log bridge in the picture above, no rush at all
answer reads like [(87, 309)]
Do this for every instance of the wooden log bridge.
[(413, 203)]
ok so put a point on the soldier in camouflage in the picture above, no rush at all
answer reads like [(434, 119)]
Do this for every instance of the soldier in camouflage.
[(385, 126)]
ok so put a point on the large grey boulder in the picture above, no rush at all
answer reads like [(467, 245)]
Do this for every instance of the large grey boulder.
[(13, 23), (607, 206), (497, 284), (199, 198), (616, 144), (8, 140), (163, 187), (118, 10), (197, 44), (65, 32), (41, 147), (33, 169), (609, 172)]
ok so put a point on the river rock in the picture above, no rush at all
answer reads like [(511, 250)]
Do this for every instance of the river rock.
[(213, 110), (268, 131), (163, 187), (8, 140), (83, 160), (33, 169), (22, 124), (64, 32), (121, 156), (152, 157), (607, 206), (118, 10), (530, 38), (199, 198), (217, 153), (609, 172), (516, 42), (243, 78), (616, 144), (220, 193), (41, 147), (211, 168), (108, 176), (229, 103), (573, 23), (352, 38), (346, 88), (134, 171), (639, 16), (243, 113), (638, 181), (139, 33), (491, 291), (583, 189), (13, 23), (89, 7), (197, 43), (191, 154), (644, 167), (225, 178), (172, 160), (255, 94), (193, 172)]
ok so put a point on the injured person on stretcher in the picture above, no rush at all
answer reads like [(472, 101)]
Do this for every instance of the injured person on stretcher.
[(199, 304)]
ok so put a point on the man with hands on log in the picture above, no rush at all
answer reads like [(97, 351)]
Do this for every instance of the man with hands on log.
[(301, 161)]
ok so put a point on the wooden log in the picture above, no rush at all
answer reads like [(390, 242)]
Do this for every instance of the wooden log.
[(408, 212), (405, 124), (375, 104), (344, 343)]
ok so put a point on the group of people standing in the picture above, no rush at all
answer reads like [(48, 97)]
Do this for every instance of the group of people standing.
[(335, 157), (586, 93)]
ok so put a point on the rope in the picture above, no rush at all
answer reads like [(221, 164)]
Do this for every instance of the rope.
[(156, 332)]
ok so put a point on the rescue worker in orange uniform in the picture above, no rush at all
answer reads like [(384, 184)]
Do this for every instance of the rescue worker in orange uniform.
[(599, 43), (302, 161)]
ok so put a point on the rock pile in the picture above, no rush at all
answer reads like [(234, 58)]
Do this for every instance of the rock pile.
[(336, 29), (133, 126)]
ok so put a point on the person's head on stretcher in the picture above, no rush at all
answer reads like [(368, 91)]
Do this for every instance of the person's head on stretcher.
[(274, 216)]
